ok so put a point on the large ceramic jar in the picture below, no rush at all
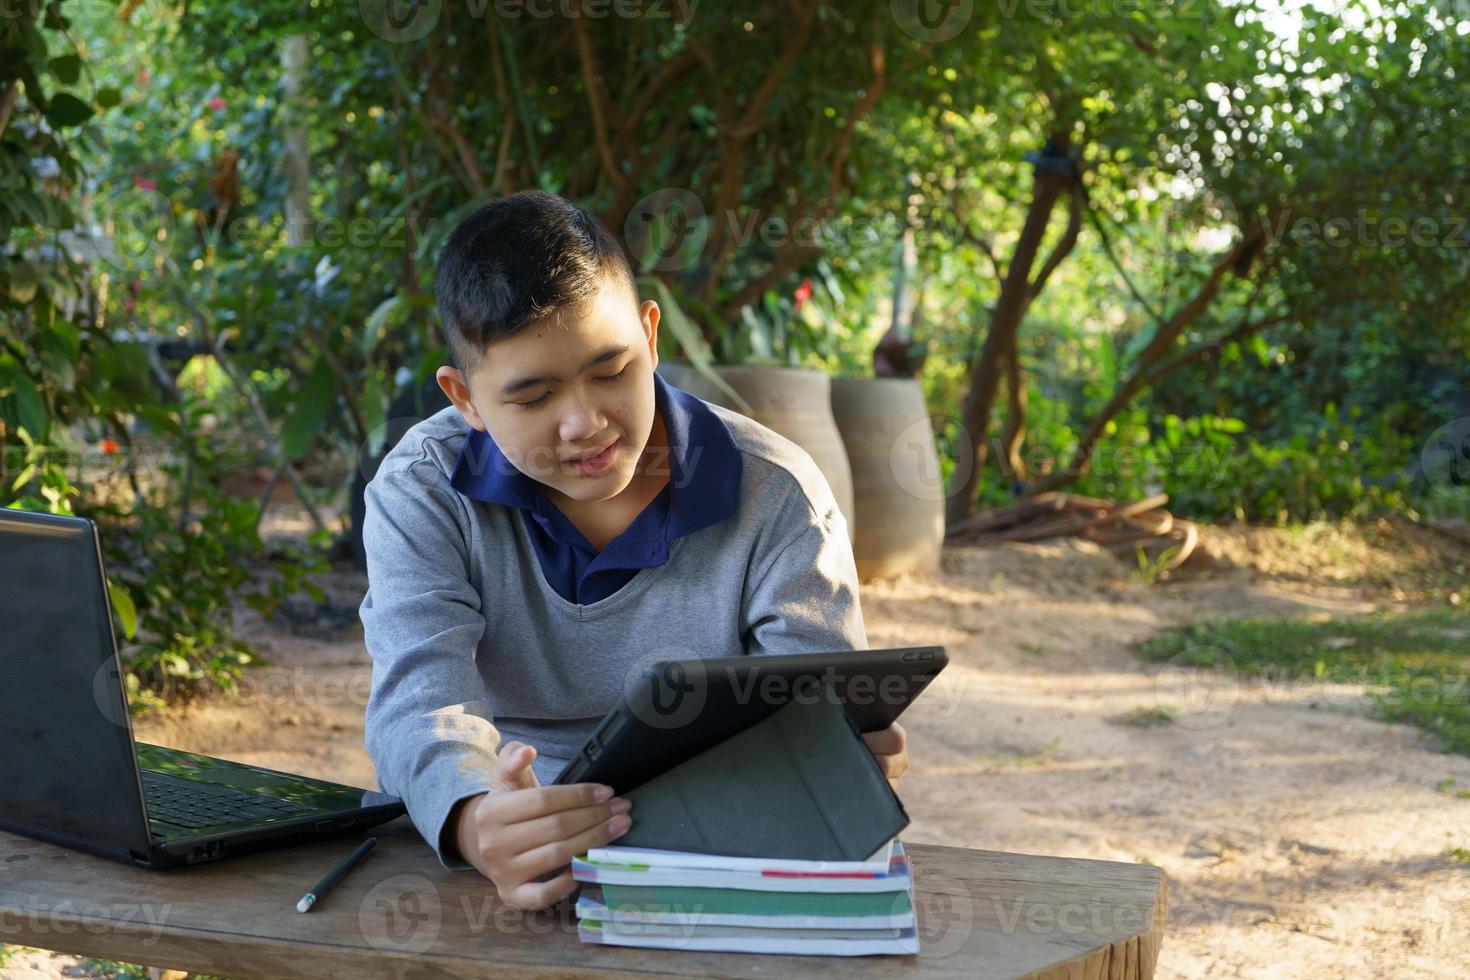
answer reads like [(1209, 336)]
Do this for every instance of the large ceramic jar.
[(897, 487), (795, 402)]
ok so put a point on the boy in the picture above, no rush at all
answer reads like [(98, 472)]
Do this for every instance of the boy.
[(570, 519)]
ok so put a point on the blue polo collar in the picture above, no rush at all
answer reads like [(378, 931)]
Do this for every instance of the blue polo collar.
[(704, 466)]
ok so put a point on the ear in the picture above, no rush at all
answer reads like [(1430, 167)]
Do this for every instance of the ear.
[(452, 383), (650, 313)]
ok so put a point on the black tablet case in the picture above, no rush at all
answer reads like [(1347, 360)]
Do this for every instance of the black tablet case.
[(800, 784)]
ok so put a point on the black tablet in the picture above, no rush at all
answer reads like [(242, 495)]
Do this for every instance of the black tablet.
[(675, 709)]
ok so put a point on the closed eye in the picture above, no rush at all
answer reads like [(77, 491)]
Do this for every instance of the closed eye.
[(607, 379)]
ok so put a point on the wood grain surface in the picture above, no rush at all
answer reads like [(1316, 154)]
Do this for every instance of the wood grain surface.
[(401, 914)]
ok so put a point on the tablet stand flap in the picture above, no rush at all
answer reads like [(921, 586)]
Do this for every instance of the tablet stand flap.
[(800, 784)]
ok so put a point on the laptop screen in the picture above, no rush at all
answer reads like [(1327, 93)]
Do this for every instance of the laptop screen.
[(67, 764)]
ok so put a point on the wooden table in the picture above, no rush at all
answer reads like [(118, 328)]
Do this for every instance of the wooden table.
[(400, 914)]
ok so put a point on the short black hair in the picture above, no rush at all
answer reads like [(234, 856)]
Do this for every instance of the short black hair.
[(517, 260)]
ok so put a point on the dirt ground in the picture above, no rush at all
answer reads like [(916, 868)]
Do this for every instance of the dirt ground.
[(1301, 837)]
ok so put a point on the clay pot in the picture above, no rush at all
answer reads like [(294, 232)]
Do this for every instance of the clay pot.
[(795, 402), (896, 481)]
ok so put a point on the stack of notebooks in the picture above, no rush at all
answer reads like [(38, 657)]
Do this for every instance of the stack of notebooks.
[(758, 844), (638, 896)]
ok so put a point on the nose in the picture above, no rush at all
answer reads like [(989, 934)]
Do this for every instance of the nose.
[(582, 420)]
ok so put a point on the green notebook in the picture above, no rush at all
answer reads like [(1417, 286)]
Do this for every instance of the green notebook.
[(736, 901)]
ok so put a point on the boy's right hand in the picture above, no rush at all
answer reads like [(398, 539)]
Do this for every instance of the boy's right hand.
[(521, 830)]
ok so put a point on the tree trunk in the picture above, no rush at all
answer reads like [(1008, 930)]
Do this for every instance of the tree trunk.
[(1015, 431), (892, 357), (1050, 183), (298, 164)]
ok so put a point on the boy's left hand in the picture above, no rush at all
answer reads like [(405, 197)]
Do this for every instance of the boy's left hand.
[(890, 747)]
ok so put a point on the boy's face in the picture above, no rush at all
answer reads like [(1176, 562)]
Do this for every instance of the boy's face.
[(568, 386)]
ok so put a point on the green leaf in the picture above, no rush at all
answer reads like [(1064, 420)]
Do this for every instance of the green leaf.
[(374, 412), (377, 321), (24, 405), (23, 281), (66, 109), (124, 607), (108, 97), (23, 477), (687, 334), (67, 68), (312, 405), (59, 368), (64, 337)]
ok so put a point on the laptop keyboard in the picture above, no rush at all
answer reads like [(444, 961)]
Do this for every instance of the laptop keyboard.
[(192, 805)]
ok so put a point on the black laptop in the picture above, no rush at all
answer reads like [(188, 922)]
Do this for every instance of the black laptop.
[(70, 772)]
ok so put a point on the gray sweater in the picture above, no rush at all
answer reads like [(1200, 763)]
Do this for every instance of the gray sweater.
[(472, 647)]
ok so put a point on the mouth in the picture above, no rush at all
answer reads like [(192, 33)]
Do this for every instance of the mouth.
[(594, 462)]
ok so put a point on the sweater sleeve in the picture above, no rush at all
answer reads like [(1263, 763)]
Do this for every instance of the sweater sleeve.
[(428, 725), (803, 597)]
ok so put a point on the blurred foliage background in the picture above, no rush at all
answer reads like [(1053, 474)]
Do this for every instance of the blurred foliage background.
[(1216, 250)]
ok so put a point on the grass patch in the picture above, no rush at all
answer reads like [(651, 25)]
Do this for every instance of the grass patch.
[(117, 970), (131, 971), (1145, 717), (1029, 760), (96, 967), (1447, 787), (1416, 665)]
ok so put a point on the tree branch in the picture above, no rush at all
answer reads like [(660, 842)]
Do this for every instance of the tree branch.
[(1247, 328), (7, 104), (984, 246), (1145, 373), (652, 93), (1107, 244), (597, 102), (864, 105), (755, 114), (1063, 247), (245, 386)]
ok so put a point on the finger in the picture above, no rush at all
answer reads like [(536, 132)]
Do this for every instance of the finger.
[(885, 741), (513, 767), (538, 801), (541, 894), (528, 775), (529, 834), (559, 853)]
